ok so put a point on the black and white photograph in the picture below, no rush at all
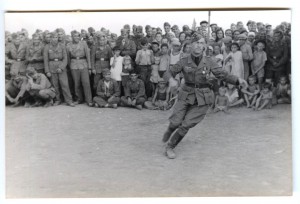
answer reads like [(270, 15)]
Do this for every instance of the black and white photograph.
[(148, 103)]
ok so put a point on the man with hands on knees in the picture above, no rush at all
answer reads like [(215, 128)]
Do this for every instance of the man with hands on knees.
[(196, 95), (134, 93)]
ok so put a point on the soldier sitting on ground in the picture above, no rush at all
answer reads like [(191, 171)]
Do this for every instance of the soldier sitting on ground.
[(108, 92), (134, 93)]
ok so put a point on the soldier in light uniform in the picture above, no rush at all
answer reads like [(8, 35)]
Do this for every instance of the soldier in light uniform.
[(195, 96), (15, 55), (34, 54), (80, 64), (55, 59), (40, 87)]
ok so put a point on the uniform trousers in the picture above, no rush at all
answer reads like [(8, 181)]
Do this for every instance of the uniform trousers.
[(81, 78), (61, 81)]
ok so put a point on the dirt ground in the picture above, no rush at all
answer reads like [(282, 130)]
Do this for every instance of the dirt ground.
[(88, 152)]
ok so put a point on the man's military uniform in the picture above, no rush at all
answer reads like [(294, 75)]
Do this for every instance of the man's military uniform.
[(134, 90), (100, 61), (80, 63), (195, 96), (55, 57), (16, 57), (277, 54), (42, 88), (35, 57)]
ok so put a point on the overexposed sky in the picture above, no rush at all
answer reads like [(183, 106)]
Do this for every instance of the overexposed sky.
[(114, 21)]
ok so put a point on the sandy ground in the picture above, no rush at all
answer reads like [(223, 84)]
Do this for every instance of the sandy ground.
[(88, 152)]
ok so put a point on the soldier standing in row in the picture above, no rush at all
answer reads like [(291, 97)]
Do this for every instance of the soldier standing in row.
[(55, 59), (80, 64), (15, 56), (34, 54), (100, 59)]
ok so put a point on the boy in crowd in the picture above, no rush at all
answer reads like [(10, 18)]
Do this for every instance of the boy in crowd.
[(282, 91), (252, 91)]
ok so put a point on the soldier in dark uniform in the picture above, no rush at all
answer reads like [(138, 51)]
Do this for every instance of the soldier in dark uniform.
[(277, 54), (195, 96), (134, 93), (126, 45), (138, 37), (100, 59)]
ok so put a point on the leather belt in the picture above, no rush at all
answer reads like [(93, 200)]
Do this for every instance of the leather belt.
[(102, 59), (78, 58), (200, 86), (55, 60), (19, 60)]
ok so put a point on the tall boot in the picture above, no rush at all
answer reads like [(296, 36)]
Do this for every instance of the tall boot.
[(168, 134), (172, 144)]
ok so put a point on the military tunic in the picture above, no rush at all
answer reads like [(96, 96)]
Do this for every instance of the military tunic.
[(195, 96), (100, 61), (35, 57), (80, 63), (134, 90), (277, 52), (55, 57), (16, 57)]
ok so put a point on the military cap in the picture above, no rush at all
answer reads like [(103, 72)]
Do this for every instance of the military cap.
[(139, 28), (251, 33), (126, 26), (52, 34), (60, 30), (75, 32), (249, 22), (106, 72), (197, 38), (175, 41), (147, 27), (30, 70), (202, 22), (185, 27), (99, 34), (213, 24), (161, 80), (167, 24), (91, 29), (242, 36), (174, 27), (268, 25), (38, 31)]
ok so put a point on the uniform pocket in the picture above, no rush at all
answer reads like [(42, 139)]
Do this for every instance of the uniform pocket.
[(182, 95), (209, 97)]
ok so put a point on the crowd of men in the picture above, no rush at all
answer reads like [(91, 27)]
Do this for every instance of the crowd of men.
[(103, 69)]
